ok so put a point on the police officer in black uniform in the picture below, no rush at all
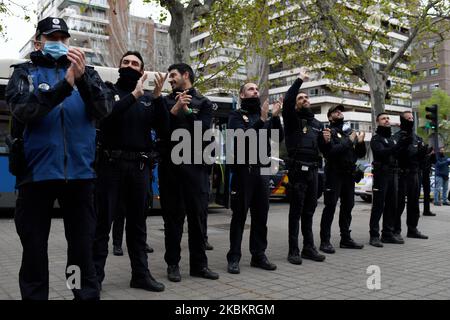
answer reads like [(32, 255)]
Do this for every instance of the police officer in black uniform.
[(249, 187), (124, 167), (345, 148), (55, 100), (408, 185), (184, 184), (305, 136), (385, 151)]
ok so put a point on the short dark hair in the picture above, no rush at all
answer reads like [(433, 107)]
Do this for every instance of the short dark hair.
[(133, 53), (183, 68), (242, 88), (380, 114), (405, 112)]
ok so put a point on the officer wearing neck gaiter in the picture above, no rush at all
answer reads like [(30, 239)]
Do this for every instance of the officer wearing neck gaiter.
[(125, 166), (386, 152), (409, 164), (249, 188), (305, 139), (345, 148)]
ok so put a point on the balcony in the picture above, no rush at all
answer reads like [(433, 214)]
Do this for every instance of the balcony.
[(68, 14), (102, 4)]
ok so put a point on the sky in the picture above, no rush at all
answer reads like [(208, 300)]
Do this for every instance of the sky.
[(19, 31)]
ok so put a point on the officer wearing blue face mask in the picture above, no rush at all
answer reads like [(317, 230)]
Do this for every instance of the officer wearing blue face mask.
[(55, 100)]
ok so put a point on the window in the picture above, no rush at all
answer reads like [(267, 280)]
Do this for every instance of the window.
[(434, 71), (424, 59), (434, 86), (415, 88), (313, 92), (424, 73)]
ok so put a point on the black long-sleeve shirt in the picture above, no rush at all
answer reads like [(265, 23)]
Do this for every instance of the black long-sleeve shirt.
[(129, 125), (343, 153), (303, 133), (245, 120), (201, 108)]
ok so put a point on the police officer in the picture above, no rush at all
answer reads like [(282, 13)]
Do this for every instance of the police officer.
[(346, 146), (184, 186), (124, 166), (408, 185), (424, 177), (56, 98), (250, 188), (385, 151), (305, 137)]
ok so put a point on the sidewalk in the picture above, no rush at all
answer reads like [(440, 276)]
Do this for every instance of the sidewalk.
[(419, 269)]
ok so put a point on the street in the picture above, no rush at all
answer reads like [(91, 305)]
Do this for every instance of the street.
[(419, 269)]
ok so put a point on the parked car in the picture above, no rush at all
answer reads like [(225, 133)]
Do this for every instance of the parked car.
[(364, 187)]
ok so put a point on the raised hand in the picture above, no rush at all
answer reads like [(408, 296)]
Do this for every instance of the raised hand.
[(304, 74), (326, 135), (265, 111), (353, 136), (183, 101), (361, 137), (139, 89), (159, 83), (277, 107), (78, 62)]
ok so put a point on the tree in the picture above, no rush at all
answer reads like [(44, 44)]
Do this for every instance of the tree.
[(337, 39), (183, 15), (352, 33), (442, 99), (12, 8)]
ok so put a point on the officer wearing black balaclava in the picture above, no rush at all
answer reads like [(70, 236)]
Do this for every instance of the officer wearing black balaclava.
[(305, 139), (385, 152), (346, 146), (249, 187), (408, 183), (124, 166)]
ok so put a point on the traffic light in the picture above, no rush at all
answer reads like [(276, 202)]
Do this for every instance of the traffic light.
[(432, 116)]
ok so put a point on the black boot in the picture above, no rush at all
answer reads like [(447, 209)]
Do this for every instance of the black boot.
[(375, 241), (416, 234), (204, 272), (349, 243), (147, 283), (173, 273), (311, 253), (117, 251), (327, 247)]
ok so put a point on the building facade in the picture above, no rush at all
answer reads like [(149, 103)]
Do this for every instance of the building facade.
[(104, 30)]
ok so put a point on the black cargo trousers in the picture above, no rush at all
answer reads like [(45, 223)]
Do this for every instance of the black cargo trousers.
[(32, 217), (122, 188)]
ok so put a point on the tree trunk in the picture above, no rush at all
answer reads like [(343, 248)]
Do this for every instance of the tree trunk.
[(180, 35), (258, 72), (377, 86), (258, 64)]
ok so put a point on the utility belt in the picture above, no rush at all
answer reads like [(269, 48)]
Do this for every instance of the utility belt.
[(300, 165), (127, 155), (406, 171), (149, 158), (341, 167), (385, 167)]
